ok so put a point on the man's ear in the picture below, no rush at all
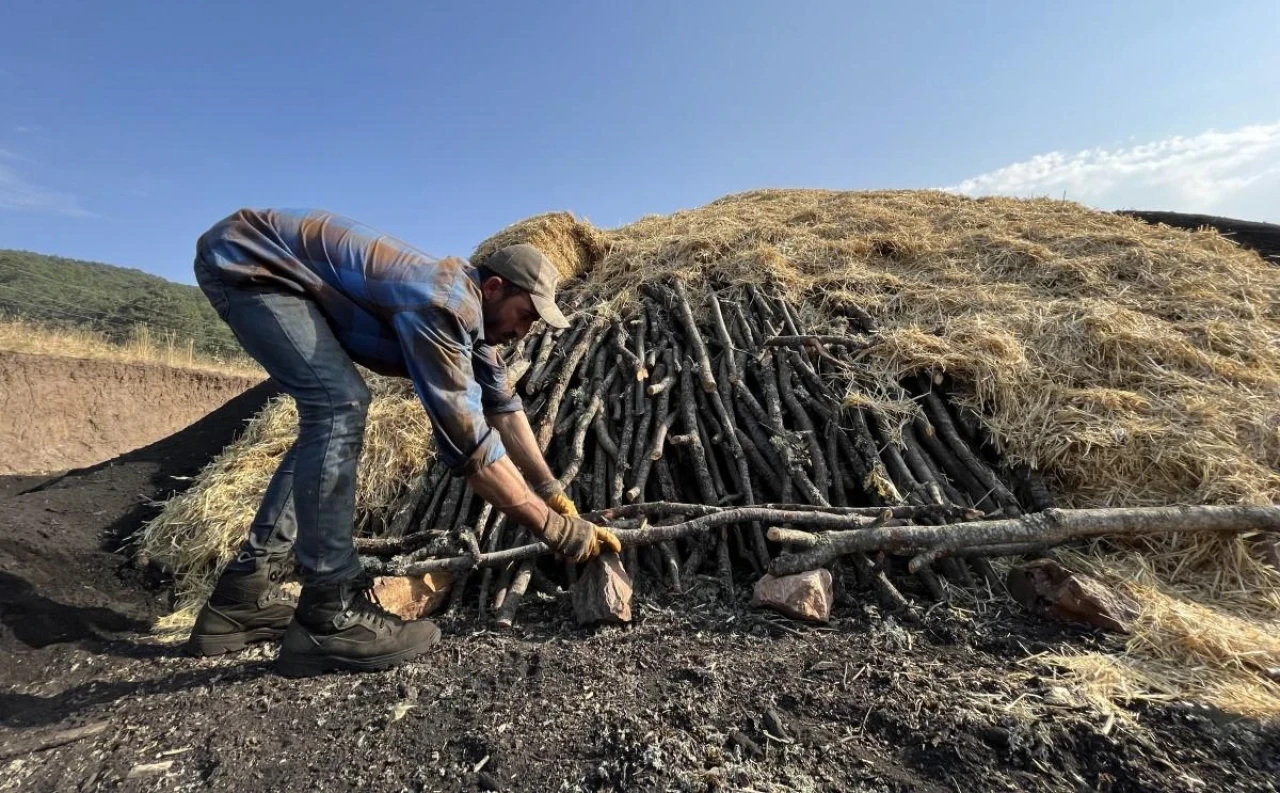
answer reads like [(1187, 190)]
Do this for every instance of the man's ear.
[(492, 287)]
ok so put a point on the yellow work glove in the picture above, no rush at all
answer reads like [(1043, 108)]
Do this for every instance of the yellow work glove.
[(576, 539), (553, 493)]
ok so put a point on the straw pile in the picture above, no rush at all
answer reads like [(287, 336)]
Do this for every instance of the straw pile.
[(1130, 364)]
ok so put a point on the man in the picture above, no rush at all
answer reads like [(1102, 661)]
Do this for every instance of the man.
[(310, 294)]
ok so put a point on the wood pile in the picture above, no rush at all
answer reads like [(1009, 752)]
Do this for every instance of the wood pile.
[(721, 436)]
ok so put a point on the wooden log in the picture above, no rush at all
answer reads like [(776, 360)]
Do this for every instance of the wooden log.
[(538, 370), (560, 383), (642, 330), (723, 407), (684, 314), (618, 341), (722, 333), (955, 470), (768, 380), (915, 446), (577, 444), (671, 563), (654, 510), (852, 342), (941, 420), (821, 474), (506, 614), (1047, 528), (689, 420), (890, 455), (622, 465)]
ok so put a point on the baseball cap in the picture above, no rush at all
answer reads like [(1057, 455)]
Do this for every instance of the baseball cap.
[(527, 268)]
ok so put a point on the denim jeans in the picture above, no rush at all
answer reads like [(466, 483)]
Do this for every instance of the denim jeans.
[(310, 503)]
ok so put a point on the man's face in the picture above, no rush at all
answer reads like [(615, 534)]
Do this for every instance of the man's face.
[(507, 317)]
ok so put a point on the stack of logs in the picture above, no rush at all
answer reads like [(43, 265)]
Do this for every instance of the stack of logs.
[(708, 435)]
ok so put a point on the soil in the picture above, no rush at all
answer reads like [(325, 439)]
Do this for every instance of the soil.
[(59, 412), (696, 694), (1263, 238)]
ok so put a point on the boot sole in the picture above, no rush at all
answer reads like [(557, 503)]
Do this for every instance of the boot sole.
[(290, 665), (223, 643)]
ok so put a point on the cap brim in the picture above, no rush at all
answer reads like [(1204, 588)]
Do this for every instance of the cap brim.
[(549, 311)]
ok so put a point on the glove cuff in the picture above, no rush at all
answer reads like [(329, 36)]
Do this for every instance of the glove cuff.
[(548, 489)]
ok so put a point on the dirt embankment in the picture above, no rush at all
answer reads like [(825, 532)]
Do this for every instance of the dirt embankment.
[(58, 413)]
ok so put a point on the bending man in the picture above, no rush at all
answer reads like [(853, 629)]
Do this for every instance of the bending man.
[(309, 295)]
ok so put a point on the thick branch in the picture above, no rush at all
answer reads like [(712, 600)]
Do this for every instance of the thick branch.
[(1044, 528)]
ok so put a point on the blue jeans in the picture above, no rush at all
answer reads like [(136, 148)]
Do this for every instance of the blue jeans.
[(310, 503)]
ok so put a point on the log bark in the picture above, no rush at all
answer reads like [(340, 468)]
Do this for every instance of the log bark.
[(1047, 528), (941, 420), (538, 370), (684, 313), (818, 341), (561, 382)]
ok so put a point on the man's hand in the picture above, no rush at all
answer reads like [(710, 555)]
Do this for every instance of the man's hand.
[(553, 493), (576, 539)]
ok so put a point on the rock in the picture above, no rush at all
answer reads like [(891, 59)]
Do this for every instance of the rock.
[(804, 596), (1045, 587), (412, 597), (603, 592)]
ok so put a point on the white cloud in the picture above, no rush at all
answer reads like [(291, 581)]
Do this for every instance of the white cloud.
[(1235, 172), (16, 193)]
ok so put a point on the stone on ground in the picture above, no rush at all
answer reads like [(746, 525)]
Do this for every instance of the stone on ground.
[(804, 596), (1045, 587), (603, 592)]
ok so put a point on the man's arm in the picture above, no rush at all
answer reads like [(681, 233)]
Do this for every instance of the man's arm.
[(505, 413), (521, 445), (438, 354)]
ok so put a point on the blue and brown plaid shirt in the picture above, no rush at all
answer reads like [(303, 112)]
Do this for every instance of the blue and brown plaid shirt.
[(396, 311)]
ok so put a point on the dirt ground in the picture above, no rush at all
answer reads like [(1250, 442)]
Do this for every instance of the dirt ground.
[(697, 694), (59, 412)]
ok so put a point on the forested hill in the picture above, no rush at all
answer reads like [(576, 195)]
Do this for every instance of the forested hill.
[(111, 300)]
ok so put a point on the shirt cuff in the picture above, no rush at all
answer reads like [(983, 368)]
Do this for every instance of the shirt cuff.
[(499, 405), (489, 451)]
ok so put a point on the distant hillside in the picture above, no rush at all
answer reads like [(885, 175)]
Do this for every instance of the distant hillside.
[(1263, 238), (111, 300)]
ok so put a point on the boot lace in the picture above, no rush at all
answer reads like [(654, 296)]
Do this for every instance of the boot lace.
[(277, 572), (364, 601)]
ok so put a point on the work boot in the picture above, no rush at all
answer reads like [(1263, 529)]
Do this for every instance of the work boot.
[(343, 627), (244, 607)]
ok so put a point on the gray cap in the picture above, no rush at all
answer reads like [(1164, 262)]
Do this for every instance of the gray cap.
[(524, 266)]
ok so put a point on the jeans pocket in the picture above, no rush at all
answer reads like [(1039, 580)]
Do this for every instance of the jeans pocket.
[(211, 284)]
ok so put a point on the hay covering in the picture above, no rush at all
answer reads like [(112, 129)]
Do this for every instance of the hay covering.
[(198, 532), (1132, 364)]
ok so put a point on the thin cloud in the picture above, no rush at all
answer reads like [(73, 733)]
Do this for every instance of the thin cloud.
[(1236, 170), (17, 194)]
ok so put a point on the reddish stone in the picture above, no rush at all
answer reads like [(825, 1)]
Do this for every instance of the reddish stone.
[(804, 596), (603, 592), (1045, 587)]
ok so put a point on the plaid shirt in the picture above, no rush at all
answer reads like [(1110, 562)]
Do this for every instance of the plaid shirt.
[(393, 308)]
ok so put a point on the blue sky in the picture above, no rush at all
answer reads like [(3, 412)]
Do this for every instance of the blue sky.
[(127, 128)]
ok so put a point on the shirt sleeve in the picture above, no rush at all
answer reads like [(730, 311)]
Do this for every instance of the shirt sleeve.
[(438, 352), (496, 395)]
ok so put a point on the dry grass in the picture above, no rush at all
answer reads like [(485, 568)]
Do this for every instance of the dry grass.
[(142, 347), (571, 244), (198, 531), (1132, 364)]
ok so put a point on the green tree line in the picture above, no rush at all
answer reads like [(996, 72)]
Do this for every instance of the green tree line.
[(110, 300)]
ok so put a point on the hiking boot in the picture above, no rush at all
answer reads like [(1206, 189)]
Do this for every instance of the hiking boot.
[(343, 627), (244, 607)]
